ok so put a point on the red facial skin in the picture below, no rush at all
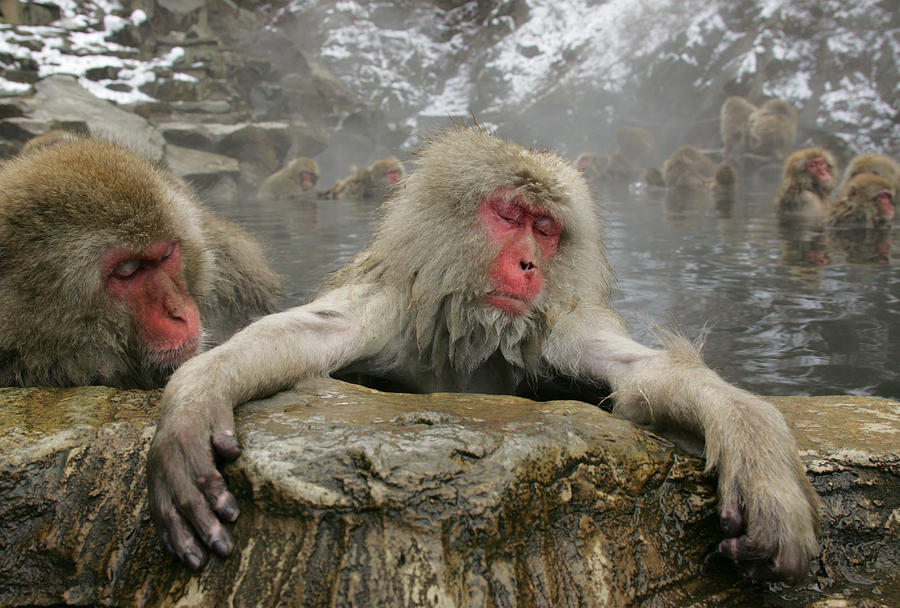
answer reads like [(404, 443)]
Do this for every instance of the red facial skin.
[(885, 205), (392, 175), (819, 169), (152, 284), (308, 179), (524, 237), (583, 162)]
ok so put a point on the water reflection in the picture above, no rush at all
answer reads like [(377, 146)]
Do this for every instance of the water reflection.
[(789, 310)]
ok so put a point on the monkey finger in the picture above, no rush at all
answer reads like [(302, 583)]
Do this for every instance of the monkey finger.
[(743, 550), (219, 498), (225, 445), (731, 520), (207, 526), (179, 539)]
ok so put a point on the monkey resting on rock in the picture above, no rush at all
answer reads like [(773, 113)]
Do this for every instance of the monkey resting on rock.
[(485, 275)]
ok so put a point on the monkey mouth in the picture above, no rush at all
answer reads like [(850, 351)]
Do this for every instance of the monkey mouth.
[(173, 357), (509, 303)]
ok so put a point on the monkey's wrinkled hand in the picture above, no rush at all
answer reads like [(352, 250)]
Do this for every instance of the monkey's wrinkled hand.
[(768, 513), (188, 497)]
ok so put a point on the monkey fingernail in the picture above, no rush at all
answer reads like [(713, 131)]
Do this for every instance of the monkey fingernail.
[(193, 560), (222, 546)]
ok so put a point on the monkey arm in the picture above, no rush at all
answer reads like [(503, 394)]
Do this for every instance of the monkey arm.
[(188, 496), (768, 510)]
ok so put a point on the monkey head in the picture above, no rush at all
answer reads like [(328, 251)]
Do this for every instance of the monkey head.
[(813, 168), (306, 171), (386, 172), (103, 262), (874, 192), (496, 223)]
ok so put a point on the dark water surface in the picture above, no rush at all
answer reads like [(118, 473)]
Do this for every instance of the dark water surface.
[(783, 317)]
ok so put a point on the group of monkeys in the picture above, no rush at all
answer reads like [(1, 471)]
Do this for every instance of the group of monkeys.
[(486, 273), (298, 178), (753, 138)]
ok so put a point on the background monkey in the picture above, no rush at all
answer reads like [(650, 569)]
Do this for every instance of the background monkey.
[(807, 181), (485, 275), (876, 164), (373, 182), (734, 125), (111, 272), (297, 179), (867, 202)]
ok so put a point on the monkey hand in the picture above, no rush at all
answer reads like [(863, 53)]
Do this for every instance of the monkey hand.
[(188, 497), (768, 510)]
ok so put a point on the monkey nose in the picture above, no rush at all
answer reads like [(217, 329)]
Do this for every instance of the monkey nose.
[(528, 268)]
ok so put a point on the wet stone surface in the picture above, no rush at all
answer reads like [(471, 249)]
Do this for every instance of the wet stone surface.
[(354, 497)]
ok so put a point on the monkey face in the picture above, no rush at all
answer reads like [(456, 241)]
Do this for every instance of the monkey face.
[(392, 175), (819, 169), (524, 237)]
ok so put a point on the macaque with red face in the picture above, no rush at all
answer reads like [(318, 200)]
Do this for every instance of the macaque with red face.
[(111, 272), (295, 180), (867, 202), (487, 274), (807, 181)]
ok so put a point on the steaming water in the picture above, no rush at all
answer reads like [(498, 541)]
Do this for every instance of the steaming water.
[(776, 324)]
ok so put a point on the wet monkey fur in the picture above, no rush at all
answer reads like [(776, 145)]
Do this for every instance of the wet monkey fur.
[(111, 272), (485, 275)]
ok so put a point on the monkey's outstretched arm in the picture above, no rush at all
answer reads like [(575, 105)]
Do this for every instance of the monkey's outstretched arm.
[(188, 496), (768, 510)]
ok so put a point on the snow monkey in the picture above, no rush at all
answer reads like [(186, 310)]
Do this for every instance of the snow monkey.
[(867, 202), (878, 164), (807, 180), (111, 272), (486, 274), (374, 182), (297, 179)]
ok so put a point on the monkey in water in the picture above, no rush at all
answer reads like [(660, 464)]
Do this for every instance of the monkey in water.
[(807, 181), (297, 180), (484, 275), (111, 272), (372, 183), (867, 202), (877, 164)]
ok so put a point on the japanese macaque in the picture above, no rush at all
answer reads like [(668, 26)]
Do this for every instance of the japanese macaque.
[(111, 272), (734, 125), (694, 179), (771, 130), (866, 203), (876, 164), (295, 180), (807, 181), (637, 145), (654, 177), (594, 168), (486, 274), (374, 182)]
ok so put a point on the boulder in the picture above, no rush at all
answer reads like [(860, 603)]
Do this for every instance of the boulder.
[(354, 497), (60, 98)]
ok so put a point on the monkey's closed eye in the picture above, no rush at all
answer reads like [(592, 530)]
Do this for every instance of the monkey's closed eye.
[(126, 269)]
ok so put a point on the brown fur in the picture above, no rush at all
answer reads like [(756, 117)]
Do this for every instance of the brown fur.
[(47, 139), (734, 125), (410, 309), (801, 194), (876, 164), (61, 207), (287, 182), (368, 183), (858, 206), (772, 129), (637, 145)]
